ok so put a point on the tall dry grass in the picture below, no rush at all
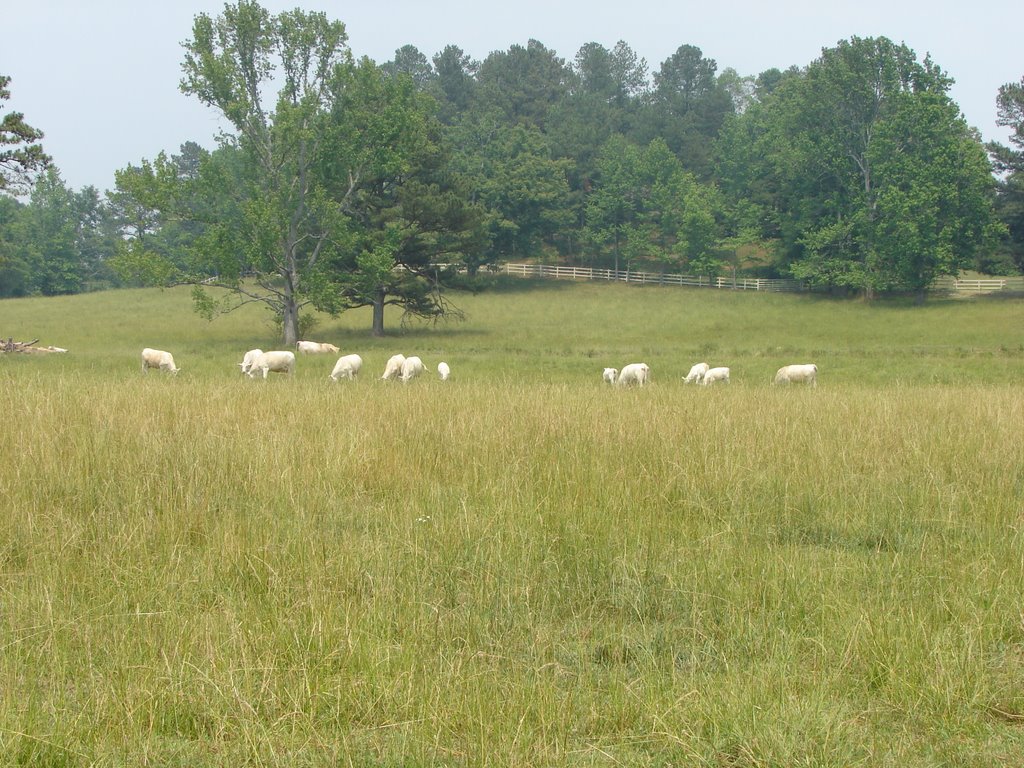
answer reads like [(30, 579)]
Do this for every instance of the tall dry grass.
[(513, 568)]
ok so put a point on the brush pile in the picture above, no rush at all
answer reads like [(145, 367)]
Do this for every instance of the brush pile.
[(26, 346)]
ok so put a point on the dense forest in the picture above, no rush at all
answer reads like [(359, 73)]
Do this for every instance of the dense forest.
[(349, 183)]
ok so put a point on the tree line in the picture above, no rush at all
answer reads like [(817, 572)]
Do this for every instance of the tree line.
[(345, 183)]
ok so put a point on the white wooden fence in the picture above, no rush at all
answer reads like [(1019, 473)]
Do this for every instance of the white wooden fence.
[(980, 285), (652, 278), (954, 285)]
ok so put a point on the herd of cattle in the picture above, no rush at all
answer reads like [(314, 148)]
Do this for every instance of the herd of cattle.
[(702, 373), (404, 369), (257, 362)]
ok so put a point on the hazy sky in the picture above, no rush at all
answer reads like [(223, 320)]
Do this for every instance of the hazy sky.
[(100, 78)]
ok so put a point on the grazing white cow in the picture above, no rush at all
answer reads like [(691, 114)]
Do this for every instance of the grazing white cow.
[(443, 371), (393, 369), (411, 368), (315, 347), (634, 373), (157, 358), (610, 375), (715, 374), (249, 359), (806, 373), (347, 367), (275, 361), (696, 374)]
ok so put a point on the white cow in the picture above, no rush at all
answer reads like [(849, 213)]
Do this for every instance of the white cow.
[(275, 361), (715, 374), (249, 359), (634, 373), (610, 375), (794, 374), (394, 367), (411, 368), (157, 358), (443, 371), (696, 374), (315, 347), (347, 367)]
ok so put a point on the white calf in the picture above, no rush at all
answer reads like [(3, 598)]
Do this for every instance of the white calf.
[(610, 375), (411, 368), (347, 367), (443, 371), (716, 374), (315, 347), (794, 374), (275, 361), (634, 373), (157, 358), (393, 369), (249, 359), (696, 374)]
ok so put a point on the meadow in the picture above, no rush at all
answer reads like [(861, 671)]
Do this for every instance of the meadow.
[(520, 566)]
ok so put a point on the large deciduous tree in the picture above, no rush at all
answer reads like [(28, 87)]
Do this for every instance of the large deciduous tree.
[(287, 214), (874, 180)]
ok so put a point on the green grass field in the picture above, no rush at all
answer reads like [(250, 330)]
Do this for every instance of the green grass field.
[(521, 566)]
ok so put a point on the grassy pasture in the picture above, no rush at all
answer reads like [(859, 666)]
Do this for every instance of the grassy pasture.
[(519, 567)]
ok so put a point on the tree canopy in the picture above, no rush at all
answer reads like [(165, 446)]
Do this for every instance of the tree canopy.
[(867, 173), (344, 183)]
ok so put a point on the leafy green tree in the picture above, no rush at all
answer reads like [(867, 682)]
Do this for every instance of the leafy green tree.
[(523, 83), (687, 108), (934, 197), (1010, 161), (288, 214), (455, 84), (409, 220), (613, 207), (21, 154), (410, 61), (742, 89), (618, 76), (602, 100), (874, 180), (170, 211), (96, 238), (49, 240), (132, 204), (524, 189), (1010, 111), (14, 271)]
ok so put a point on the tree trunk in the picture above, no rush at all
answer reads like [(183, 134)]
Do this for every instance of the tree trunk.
[(378, 312), (291, 322)]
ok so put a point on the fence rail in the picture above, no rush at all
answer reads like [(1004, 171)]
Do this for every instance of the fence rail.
[(653, 278)]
